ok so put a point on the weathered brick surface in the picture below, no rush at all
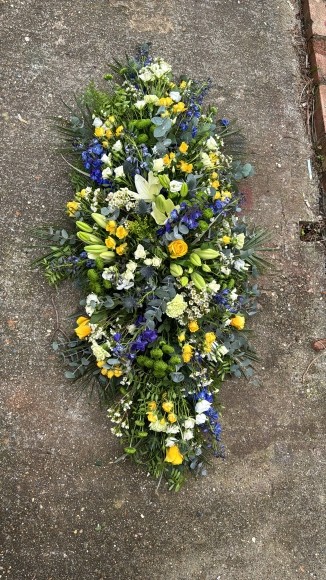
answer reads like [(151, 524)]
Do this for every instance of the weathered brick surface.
[(314, 13), (317, 55)]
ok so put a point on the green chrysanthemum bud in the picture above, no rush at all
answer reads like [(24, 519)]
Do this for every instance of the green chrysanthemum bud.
[(156, 353), (92, 275), (168, 349)]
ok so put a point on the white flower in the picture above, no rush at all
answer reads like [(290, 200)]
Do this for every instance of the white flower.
[(107, 159), (233, 295), (170, 441), (240, 265), (97, 122), (128, 275), (146, 189), (117, 146), (222, 350), (225, 271), (175, 95), (214, 286), (202, 406), (119, 171), (151, 99), (200, 419), (140, 253), (175, 185), (158, 165), (148, 262), (131, 328), (140, 104), (131, 266), (206, 161), (145, 74), (98, 351), (156, 262), (172, 429), (106, 172), (240, 241), (189, 423), (188, 434), (211, 144), (91, 302), (158, 426)]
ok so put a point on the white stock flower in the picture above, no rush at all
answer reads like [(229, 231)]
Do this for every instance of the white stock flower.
[(145, 74), (211, 144), (189, 423), (158, 165), (188, 434), (214, 286), (140, 104), (158, 426), (119, 172), (222, 350), (172, 429), (151, 99), (206, 161), (107, 172), (117, 146), (240, 265), (91, 302), (175, 95), (170, 441), (156, 262), (97, 122), (202, 406)]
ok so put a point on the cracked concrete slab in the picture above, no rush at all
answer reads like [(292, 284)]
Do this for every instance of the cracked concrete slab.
[(68, 511)]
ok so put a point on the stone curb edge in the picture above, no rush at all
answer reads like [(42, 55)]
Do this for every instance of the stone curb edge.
[(314, 21)]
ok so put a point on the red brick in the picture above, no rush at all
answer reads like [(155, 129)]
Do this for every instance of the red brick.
[(317, 56), (320, 113), (314, 14)]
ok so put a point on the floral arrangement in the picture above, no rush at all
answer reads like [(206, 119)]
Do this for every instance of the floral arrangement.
[(164, 261)]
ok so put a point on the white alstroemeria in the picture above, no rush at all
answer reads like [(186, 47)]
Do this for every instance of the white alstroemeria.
[(109, 273), (202, 406), (189, 423), (170, 441), (206, 161), (175, 185), (123, 283), (119, 172), (140, 105), (156, 262), (213, 286), (107, 172), (240, 241), (240, 265), (140, 252), (151, 99), (97, 122), (131, 266), (117, 146), (146, 189), (200, 419), (175, 96), (158, 165), (91, 302), (128, 275), (187, 435), (211, 144), (172, 429)]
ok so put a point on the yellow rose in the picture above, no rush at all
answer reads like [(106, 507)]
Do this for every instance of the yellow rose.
[(193, 326), (83, 328), (165, 101), (183, 148), (110, 374), (178, 248), (173, 455), (110, 243), (238, 322), (152, 406), (172, 418), (121, 232), (151, 417), (167, 406)]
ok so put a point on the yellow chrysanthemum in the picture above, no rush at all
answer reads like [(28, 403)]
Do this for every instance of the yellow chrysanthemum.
[(119, 130), (151, 417), (72, 207), (187, 353), (186, 167), (172, 418), (165, 102), (226, 240), (108, 133), (193, 326), (179, 107)]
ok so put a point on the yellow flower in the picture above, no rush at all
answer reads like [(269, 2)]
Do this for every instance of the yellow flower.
[(183, 147), (105, 143), (99, 132), (119, 130), (187, 353), (108, 133), (215, 183), (151, 417), (225, 194), (193, 326), (117, 372), (226, 240), (165, 102), (182, 337), (152, 406), (238, 322), (104, 372), (210, 337), (165, 114), (179, 107), (173, 455), (167, 406), (83, 329), (72, 207), (111, 118), (110, 243), (110, 374), (214, 175), (100, 363), (186, 167), (183, 85), (172, 155), (120, 250), (172, 418), (111, 226), (178, 248), (121, 232), (166, 160), (81, 193), (213, 157)]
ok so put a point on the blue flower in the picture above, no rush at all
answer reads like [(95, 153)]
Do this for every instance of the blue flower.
[(117, 336), (225, 122)]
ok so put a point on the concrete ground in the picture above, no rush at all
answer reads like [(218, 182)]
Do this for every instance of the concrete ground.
[(68, 511)]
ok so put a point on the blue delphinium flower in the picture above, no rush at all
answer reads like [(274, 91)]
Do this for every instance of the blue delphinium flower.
[(225, 122)]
